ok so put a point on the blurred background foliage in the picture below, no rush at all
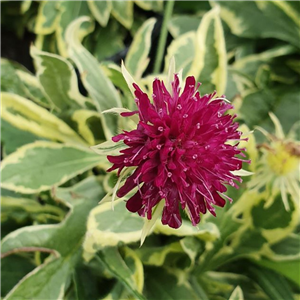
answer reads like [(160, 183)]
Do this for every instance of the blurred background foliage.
[(60, 68)]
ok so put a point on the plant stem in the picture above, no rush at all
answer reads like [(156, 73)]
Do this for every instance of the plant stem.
[(163, 36)]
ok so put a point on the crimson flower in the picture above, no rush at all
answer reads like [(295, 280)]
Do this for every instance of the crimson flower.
[(185, 150)]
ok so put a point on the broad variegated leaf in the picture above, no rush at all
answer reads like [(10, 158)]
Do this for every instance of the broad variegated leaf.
[(12, 138), (182, 24), (10, 82), (107, 227), (260, 19), (39, 166), (49, 280), (28, 116), (58, 79)]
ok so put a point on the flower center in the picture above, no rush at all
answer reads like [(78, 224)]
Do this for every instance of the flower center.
[(280, 159)]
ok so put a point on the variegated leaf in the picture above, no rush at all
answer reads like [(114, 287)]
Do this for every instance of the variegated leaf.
[(58, 78), (83, 117), (237, 294), (70, 10), (263, 20), (137, 57), (210, 61), (131, 277), (48, 281), (10, 82), (107, 227), (28, 116), (156, 5), (100, 10), (182, 24), (123, 12), (183, 50), (33, 88), (47, 17), (41, 165), (100, 88)]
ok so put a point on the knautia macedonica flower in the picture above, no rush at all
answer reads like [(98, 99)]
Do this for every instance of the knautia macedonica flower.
[(183, 151), (279, 167)]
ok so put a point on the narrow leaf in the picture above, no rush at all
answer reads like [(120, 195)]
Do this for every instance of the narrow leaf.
[(137, 57), (97, 84)]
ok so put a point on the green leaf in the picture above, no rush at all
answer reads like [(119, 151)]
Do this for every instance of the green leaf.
[(90, 188), (137, 57), (157, 256), (114, 73), (28, 116), (32, 208), (250, 64), (83, 118), (100, 10), (70, 11), (50, 279), (47, 17), (237, 84), (10, 82), (210, 61), (33, 88), (237, 294), (273, 284), (287, 248), (206, 231), (182, 24), (183, 50), (45, 282), (123, 12), (162, 284), (107, 227), (106, 47), (13, 268), (290, 269), (97, 84), (131, 277), (109, 148), (280, 223), (58, 79), (39, 166), (192, 247), (256, 19), (12, 138), (155, 5)]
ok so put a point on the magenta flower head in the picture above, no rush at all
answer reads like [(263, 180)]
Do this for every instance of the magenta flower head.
[(184, 151)]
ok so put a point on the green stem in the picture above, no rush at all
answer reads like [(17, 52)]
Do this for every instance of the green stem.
[(163, 36)]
